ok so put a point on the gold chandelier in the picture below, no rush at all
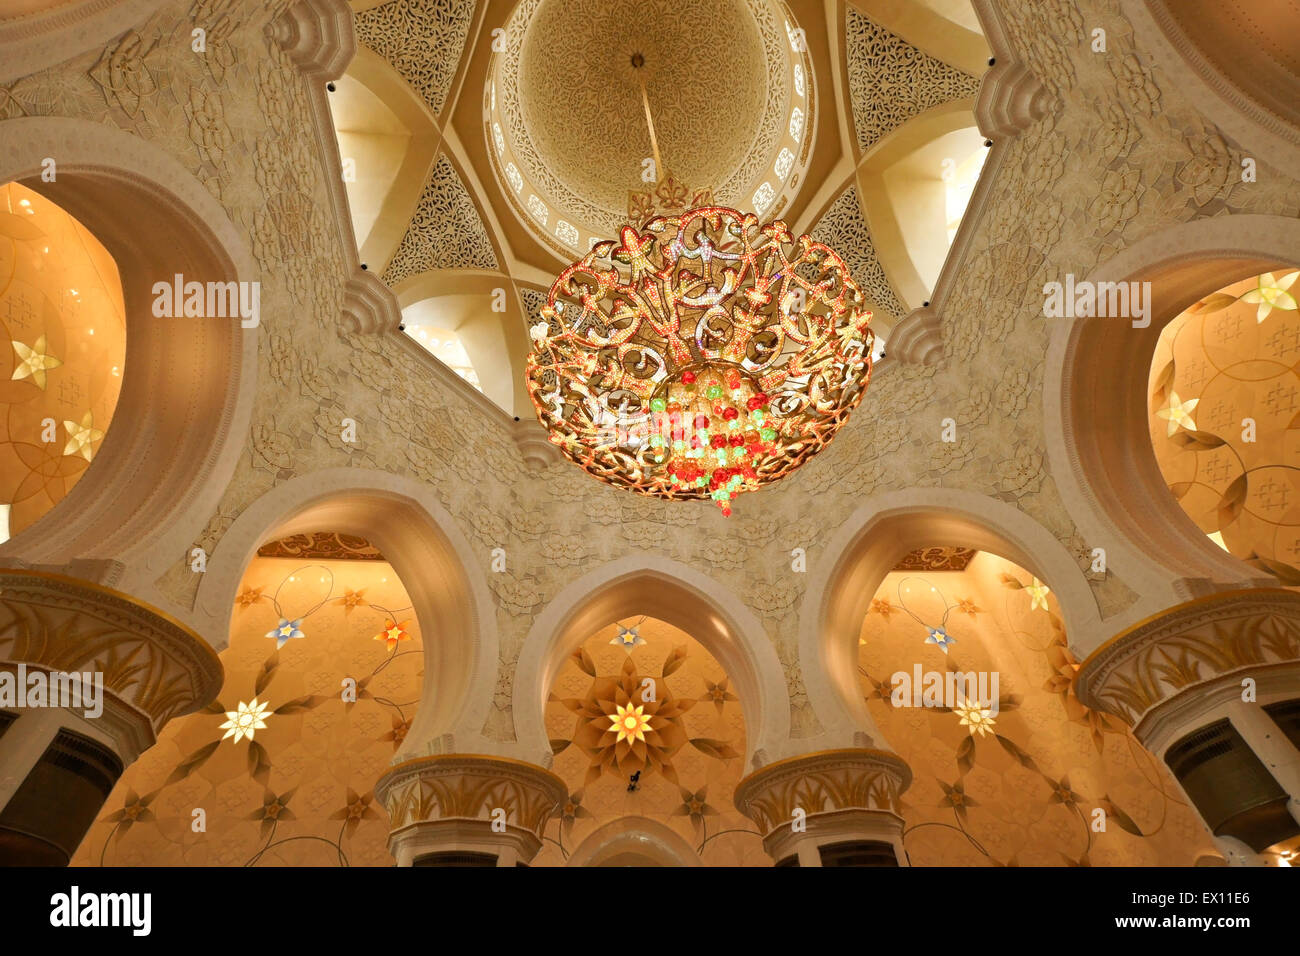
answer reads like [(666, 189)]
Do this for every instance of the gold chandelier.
[(701, 355)]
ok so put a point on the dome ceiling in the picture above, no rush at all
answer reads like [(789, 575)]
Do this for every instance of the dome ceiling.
[(727, 88)]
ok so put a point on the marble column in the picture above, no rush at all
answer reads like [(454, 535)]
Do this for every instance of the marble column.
[(830, 808), (468, 809), (88, 677), (1195, 684)]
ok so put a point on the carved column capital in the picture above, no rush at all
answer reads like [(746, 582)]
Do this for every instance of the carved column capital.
[(844, 794), (917, 339), (1146, 668), (450, 802), (318, 36), (1010, 99), (534, 444), (150, 661)]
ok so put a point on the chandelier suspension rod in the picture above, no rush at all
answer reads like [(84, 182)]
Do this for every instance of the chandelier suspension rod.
[(649, 121)]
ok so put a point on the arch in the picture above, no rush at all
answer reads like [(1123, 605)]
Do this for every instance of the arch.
[(898, 180), (387, 213), (159, 475), (634, 841), (1248, 103), (866, 547), (497, 343), (678, 595), (1095, 407), (421, 541)]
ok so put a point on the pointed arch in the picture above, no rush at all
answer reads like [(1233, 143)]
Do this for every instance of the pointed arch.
[(678, 595), (419, 538), (859, 554)]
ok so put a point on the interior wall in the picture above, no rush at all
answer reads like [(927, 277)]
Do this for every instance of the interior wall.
[(318, 753), (1025, 790)]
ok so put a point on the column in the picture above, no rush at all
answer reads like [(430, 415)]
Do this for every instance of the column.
[(830, 808), (88, 677), (468, 810), (1193, 683)]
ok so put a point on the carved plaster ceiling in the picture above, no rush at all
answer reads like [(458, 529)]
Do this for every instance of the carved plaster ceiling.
[(422, 39), (890, 81), (728, 86), (445, 232)]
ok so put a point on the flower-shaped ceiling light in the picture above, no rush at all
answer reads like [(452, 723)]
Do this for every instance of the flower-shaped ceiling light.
[(702, 356)]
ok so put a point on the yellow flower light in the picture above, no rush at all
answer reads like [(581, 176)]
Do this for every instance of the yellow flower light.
[(1179, 413), (1038, 592), (81, 436), (34, 362), (1272, 294), (630, 723), (976, 716), (243, 722)]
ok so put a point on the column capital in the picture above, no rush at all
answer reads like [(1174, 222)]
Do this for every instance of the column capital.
[(150, 661), (844, 794), (1145, 667), (449, 803)]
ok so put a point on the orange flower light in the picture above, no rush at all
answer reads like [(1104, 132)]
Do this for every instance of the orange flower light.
[(393, 633)]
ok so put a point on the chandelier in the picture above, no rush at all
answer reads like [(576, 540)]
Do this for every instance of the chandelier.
[(703, 354)]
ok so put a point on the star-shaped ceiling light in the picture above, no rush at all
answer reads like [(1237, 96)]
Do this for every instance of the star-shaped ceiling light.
[(630, 723), (285, 631), (33, 361), (1272, 294), (1038, 592), (393, 633), (628, 638), (1179, 413), (976, 716), (243, 722), (938, 636), (82, 436)]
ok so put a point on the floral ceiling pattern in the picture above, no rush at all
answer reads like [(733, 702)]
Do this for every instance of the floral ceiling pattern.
[(1020, 783), (323, 678), (644, 722), (1225, 419)]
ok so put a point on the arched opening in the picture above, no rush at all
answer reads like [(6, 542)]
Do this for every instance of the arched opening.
[(965, 667), (1097, 402), (387, 142), (1224, 404), (679, 596), (61, 308), (644, 721), (323, 677), (157, 473), (915, 187), (404, 521), (634, 841), (872, 542), (481, 314)]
